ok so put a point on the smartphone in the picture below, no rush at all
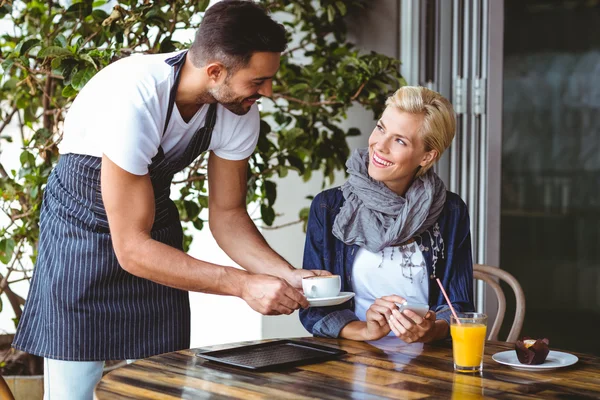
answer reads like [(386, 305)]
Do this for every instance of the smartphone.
[(418, 308)]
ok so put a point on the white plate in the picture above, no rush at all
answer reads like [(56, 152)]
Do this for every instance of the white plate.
[(330, 301), (555, 359)]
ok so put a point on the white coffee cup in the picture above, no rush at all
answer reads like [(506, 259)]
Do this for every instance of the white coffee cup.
[(321, 286)]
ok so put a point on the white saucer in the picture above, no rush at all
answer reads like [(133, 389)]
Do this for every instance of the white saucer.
[(330, 301), (555, 359)]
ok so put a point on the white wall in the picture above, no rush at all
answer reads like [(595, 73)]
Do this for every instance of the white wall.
[(219, 319)]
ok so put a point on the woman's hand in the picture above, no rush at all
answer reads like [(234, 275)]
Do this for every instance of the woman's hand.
[(411, 328), (378, 315)]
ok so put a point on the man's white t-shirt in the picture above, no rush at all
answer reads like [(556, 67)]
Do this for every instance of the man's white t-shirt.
[(122, 110)]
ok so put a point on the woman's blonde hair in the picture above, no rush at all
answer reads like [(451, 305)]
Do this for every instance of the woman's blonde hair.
[(439, 123)]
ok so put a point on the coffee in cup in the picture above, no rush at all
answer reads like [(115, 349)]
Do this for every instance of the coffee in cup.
[(321, 286)]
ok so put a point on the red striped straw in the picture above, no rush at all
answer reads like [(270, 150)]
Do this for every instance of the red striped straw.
[(448, 301)]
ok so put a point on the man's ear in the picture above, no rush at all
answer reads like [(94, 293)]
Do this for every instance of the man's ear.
[(428, 158), (216, 72)]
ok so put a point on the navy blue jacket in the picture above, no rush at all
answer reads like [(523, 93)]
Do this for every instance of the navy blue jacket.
[(446, 247)]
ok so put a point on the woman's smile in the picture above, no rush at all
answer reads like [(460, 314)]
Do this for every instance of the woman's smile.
[(381, 162)]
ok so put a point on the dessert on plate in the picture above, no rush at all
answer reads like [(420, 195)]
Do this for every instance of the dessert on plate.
[(532, 351)]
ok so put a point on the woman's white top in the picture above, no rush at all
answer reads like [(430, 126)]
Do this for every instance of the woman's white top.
[(375, 275)]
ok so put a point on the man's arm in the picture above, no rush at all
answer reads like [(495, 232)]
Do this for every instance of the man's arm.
[(129, 203), (233, 228)]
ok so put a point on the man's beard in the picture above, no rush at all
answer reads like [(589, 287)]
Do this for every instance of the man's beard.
[(228, 99)]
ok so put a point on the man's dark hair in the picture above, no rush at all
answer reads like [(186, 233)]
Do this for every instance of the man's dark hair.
[(232, 30)]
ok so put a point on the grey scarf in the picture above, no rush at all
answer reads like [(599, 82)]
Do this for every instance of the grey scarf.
[(375, 217)]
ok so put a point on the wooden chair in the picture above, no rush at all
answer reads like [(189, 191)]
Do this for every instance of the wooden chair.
[(5, 393), (490, 275)]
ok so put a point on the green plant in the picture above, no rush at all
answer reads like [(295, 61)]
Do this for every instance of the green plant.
[(51, 52)]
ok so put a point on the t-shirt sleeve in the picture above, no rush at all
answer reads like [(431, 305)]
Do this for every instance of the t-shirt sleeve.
[(131, 136), (238, 134)]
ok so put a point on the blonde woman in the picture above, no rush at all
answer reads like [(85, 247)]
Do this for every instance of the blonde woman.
[(392, 228)]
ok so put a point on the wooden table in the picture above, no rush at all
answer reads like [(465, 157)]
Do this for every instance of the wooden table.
[(374, 370)]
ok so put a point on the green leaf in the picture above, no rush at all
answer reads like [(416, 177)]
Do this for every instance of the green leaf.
[(330, 13), (81, 78), (79, 41), (191, 209), (264, 127), (202, 4), (198, 224), (296, 163), (304, 212), (27, 159), (98, 3), (69, 69), (60, 40), (263, 145), (54, 51), (293, 134), (270, 192), (89, 59), (353, 132), (68, 91), (202, 200), (7, 247), (24, 47), (57, 61), (268, 214), (99, 15), (10, 84), (79, 10), (342, 7), (298, 87), (6, 64), (282, 171), (382, 85), (167, 46)]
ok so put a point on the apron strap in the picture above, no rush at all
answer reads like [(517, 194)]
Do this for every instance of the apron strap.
[(177, 63)]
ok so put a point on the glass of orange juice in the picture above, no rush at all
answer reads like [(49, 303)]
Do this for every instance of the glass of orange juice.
[(468, 340)]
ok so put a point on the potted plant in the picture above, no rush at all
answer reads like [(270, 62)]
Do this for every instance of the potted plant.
[(50, 51)]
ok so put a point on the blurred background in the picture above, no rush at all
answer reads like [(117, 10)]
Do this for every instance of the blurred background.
[(524, 77)]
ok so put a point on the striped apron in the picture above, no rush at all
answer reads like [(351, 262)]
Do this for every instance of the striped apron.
[(82, 306)]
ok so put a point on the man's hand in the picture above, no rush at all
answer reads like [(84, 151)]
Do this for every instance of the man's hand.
[(234, 230), (271, 296), (230, 224), (295, 276), (129, 203)]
